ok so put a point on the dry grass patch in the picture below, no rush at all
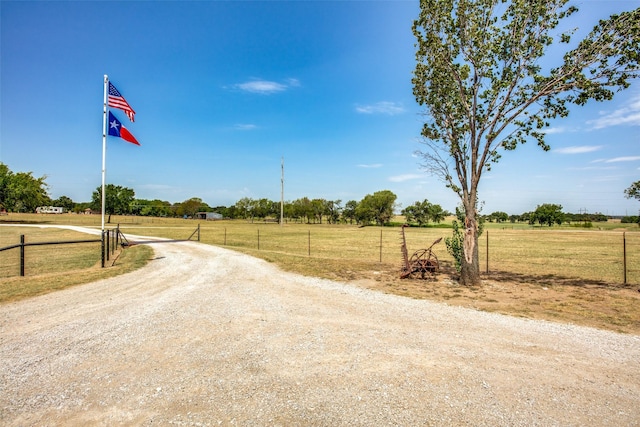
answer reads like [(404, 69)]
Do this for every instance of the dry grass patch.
[(564, 275), (54, 267)]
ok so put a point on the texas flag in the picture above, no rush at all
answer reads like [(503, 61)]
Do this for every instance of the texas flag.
[(116, 129)]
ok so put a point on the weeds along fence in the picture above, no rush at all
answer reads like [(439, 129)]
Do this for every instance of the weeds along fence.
[(50, 256), (538, 254)]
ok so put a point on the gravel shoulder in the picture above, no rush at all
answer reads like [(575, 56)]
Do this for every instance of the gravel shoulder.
[(207, 336)]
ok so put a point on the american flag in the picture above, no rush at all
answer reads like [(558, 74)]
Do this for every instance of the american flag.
[(117, 101)]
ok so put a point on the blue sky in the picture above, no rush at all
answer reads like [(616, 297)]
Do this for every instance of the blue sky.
[(224, 90)]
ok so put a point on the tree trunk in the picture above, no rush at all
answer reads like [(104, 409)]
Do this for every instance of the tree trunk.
[(470, 268)]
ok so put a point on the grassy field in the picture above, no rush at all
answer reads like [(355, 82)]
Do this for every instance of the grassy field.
[(560, 273)]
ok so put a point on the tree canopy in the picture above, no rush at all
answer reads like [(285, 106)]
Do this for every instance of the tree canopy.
[(479, 77), (118, 199), (21, 191), (633, 192)]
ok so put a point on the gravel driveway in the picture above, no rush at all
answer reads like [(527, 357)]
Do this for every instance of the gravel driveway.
[(206, 336)]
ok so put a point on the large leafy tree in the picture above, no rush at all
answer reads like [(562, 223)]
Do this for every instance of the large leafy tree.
[(376, 207), (21, 191), (118, 200), (479, 77)]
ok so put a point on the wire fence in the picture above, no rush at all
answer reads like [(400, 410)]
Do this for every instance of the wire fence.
[(536, 255), (594, 256), (54, 256)]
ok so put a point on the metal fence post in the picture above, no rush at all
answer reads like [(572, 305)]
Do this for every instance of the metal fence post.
[(102, 248), (624, 255), (487, 251), (22, 255)]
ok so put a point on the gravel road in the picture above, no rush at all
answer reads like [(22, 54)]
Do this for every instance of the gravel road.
[(206, 336)]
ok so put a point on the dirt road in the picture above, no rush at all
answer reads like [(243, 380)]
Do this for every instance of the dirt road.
[(205, 336)]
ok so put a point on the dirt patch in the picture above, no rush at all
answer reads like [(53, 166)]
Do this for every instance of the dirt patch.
[(206, 336), (560, 299)]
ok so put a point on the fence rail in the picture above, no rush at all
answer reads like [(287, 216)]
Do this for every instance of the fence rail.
[(612, 257), (110, 240)]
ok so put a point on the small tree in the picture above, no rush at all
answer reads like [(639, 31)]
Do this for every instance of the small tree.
[(419, 212), (349, 211), (64, 202), (548, 214)]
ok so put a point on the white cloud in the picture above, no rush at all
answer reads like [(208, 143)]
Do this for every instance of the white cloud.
[(267, 87), (245, 126), (374, 165), (623, 159), (592, 168), (627, 115), (383, 107), (553, 130), (405, 177), (578, 149), (293, 82)]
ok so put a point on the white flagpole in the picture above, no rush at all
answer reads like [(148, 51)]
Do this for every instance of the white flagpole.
[(104, 144), (282, 193)]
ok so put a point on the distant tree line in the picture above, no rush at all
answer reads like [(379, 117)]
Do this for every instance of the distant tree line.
[(22, 192), (549, 214)]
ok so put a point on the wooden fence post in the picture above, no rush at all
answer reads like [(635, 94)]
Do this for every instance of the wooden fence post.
[(309, 243), (381, 245)]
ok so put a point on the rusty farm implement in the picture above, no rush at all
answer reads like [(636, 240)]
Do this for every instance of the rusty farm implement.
[(422, 263)]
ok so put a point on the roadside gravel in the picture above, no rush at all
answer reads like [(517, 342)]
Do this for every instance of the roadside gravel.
[(206, 336)]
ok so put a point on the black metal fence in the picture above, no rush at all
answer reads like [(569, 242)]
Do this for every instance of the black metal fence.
[(109, 241)]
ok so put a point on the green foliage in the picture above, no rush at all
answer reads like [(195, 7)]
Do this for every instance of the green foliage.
[(423, 212), (118, 199), (633, 192), (548, 214), (479, 78), (455, 243), (21, 191), (376, 207), (64, 202), (633, 219), (497, 217)]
